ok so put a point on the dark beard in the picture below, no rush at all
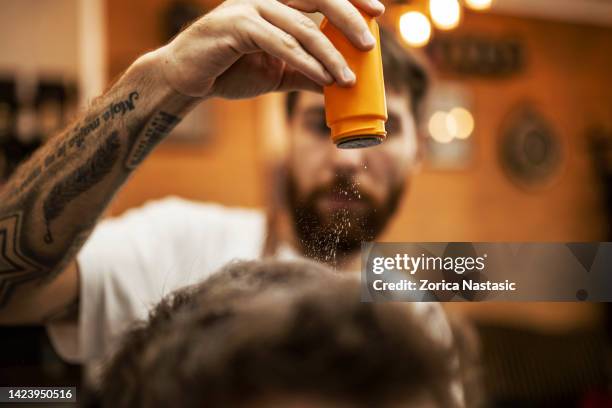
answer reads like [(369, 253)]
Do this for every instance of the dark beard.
[(331, 239)]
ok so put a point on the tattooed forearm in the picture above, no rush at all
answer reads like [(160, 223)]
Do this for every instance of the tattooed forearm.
[(82, 179), (78, 137), (50, 205), (159, 126)]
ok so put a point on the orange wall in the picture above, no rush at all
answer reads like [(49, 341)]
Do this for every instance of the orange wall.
[(567, 77)]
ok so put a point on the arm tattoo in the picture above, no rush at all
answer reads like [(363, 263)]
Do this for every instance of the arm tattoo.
[(15, 267), (81, 180), (158, 127), (52, 202)]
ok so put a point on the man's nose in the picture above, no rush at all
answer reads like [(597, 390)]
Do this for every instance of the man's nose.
[(348, 160)]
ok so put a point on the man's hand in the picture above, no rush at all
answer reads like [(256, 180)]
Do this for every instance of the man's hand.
[(244, 48)]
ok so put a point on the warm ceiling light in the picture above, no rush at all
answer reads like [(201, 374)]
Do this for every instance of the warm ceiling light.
[(438, 127), (415, 28), (460, 123), (478, 4), (445, 13)]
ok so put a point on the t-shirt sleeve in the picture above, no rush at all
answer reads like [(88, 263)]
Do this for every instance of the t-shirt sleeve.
[(127, 265)]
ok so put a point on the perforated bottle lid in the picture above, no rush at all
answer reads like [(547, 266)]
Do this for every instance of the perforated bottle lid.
[(358, 142)]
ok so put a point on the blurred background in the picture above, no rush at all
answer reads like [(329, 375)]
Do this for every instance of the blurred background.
[(519, 148)]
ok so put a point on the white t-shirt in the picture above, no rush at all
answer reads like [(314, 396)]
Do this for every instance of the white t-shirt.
[(129, 263)]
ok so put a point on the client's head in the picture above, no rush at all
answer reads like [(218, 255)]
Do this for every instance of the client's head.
[(272, 334)]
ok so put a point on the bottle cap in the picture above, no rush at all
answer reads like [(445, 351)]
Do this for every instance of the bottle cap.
[(358, 131)]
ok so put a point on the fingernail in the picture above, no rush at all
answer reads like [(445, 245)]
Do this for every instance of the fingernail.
[(377, 5), (367, 39), (348, 75)]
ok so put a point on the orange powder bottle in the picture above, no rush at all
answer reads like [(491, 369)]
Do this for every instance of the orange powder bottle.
[(357, 115)]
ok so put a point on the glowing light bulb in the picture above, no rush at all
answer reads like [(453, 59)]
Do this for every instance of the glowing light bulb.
[(438, 127), (445, 14), (452, 127), (479, 4), (415, 28), (460, 123)]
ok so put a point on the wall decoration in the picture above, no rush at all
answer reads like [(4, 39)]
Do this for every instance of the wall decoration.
[(529, 148), (477, 55)]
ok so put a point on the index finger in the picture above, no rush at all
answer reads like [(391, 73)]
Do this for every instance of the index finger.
[(344, 14)]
